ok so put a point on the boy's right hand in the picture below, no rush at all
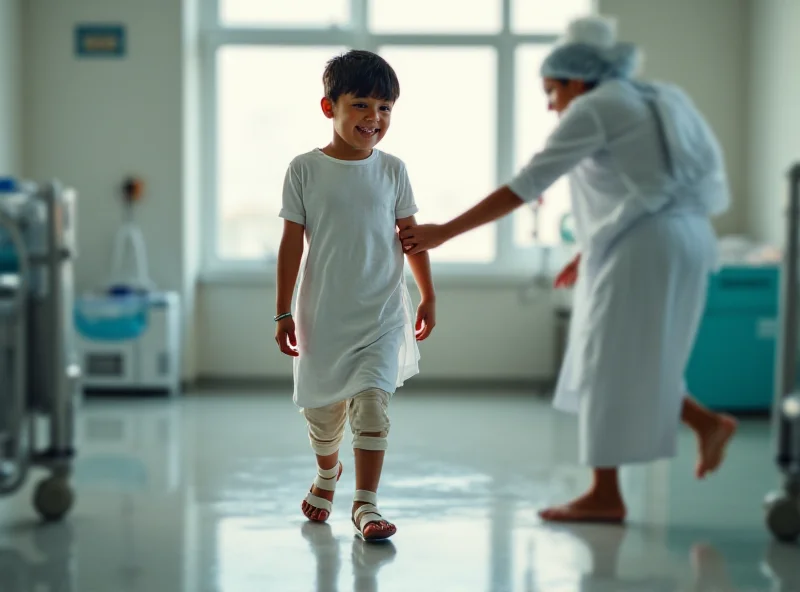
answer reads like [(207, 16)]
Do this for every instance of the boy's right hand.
[(285, 337)]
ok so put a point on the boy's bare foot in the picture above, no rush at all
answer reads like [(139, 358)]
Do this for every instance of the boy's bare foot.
[(378, 530), (590, 507), (712, 443), (319, 514)]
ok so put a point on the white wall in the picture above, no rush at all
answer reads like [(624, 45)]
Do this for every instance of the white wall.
[(10, 88), (703, 46), (774, 119), (481, 333), (91, 123)]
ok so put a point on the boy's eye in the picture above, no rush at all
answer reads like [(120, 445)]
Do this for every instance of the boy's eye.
[(386, 108)]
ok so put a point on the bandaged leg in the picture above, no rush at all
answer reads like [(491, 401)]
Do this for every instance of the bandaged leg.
[(326, 427), (369, 421), (325, 430)]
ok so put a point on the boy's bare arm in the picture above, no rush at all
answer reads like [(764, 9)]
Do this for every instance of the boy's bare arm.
[(289, 256), (420, 264)]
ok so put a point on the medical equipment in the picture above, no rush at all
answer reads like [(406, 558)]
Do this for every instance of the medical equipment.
[(783, 507), (129, 331), (38, 373), (740, 322)]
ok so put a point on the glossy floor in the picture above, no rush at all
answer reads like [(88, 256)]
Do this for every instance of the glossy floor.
[(204, 494)]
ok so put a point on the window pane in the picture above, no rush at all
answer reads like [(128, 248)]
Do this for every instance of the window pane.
[(546, 16), (288, 13), (447, 138), (439, 16), (533, 123), (268, 112)]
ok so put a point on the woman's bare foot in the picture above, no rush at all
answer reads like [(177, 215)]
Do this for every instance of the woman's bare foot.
[(712, 442), (591, 507), (374, 531), (318, 514), (709, 569)]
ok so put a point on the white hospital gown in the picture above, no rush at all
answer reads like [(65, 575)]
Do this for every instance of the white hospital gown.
[(354, 317), (646, 174)]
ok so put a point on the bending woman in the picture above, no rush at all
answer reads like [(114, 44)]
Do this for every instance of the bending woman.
[(646, 176)]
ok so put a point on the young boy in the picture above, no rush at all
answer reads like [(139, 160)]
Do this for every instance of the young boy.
[(354, 340)]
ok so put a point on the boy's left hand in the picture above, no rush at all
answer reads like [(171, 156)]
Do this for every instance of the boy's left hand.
[(426, 319)]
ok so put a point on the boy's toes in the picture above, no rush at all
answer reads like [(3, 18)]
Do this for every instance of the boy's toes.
[(379, 529), (313, 513)]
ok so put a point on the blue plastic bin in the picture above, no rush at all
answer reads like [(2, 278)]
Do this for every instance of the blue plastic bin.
[(8, 256), (111, 318), (732, 366)]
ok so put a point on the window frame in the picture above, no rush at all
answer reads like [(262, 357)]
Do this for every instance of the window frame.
[(512, 262)]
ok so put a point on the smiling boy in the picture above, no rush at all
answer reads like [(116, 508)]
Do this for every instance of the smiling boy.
[(354, 341)]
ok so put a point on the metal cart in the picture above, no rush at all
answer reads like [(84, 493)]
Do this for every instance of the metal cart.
[(38, 371), (783, 506)]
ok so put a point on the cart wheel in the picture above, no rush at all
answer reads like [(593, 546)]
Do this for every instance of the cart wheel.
[(53, 498), (783, 518)]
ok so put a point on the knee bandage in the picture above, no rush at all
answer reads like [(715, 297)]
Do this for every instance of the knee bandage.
[(325, 449), (370, 442), (368, 416), (326, 428)]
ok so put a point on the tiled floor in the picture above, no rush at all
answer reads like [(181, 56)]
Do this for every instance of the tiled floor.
[(204, 494)]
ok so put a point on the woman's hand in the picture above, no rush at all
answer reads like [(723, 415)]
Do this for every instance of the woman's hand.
[(568, 275), (286, 338), (422, 238)]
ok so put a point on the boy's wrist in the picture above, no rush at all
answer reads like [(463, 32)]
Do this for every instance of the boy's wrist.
[(428, 297)]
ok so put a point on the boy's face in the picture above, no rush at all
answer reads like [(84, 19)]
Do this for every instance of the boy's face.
[(360, 122)]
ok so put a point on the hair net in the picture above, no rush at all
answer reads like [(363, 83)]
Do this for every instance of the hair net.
[(590, 51)]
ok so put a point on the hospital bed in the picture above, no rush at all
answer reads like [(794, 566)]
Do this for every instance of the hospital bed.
[(783, 506), (38, 374)]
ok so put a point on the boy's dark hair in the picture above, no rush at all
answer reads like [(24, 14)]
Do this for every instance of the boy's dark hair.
[(361, 73)]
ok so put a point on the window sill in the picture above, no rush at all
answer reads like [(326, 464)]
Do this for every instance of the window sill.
[(444, 277)]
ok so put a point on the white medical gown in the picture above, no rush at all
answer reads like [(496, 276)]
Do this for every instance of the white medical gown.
[(646, 174), (354, 316)]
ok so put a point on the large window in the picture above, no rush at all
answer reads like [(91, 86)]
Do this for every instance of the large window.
[(447, 141), (471, 112)]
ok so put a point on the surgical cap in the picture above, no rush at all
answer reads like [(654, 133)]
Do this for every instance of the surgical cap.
[(589, 51)]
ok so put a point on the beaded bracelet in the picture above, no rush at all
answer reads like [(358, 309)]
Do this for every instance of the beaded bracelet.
[(282, 316)]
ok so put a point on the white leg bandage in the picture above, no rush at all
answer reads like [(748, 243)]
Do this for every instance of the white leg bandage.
[(368, 415), (326, 427), (370, 442)]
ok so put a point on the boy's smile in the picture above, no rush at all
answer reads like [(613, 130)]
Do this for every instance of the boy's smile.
[(358, 124), (367, 132)]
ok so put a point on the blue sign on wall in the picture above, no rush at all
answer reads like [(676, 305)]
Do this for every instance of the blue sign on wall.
[(100, 41)]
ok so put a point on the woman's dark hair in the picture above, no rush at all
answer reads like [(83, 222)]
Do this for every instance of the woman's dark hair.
[(590, 85)]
